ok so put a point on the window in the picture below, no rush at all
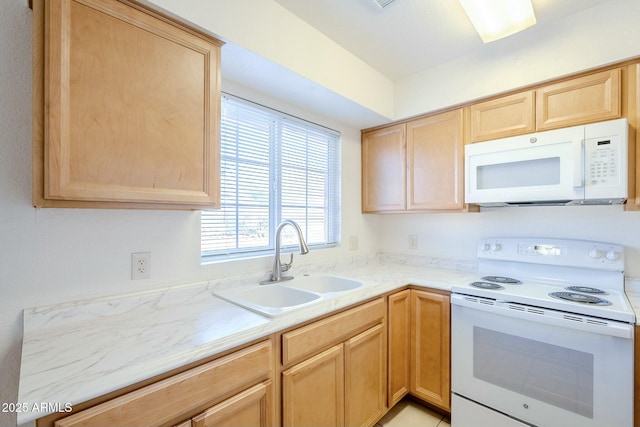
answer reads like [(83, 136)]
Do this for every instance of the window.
[(273, 167)]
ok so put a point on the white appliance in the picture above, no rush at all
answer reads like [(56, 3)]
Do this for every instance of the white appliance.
[(522, 355), (578, 165)]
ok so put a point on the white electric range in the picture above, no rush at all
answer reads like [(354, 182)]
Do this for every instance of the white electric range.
[(543, 336)]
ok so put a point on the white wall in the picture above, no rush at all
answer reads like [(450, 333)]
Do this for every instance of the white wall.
[(271, 31), (456, 235)]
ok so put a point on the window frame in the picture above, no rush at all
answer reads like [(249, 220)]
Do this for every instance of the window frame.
[(332, 186)]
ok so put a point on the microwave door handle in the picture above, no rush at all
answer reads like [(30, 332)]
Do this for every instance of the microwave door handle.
[(578, 163)]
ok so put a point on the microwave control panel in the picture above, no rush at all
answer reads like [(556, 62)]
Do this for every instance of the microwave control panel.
[(603, 157)]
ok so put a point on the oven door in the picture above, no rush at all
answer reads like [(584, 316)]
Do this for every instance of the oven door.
[(517, 170), (543, 367)]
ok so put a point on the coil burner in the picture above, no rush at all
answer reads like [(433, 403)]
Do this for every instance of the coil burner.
[(502, 279), (486, 285), (579, 298), (586, 290)]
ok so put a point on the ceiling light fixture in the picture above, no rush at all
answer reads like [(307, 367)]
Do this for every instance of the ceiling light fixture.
[(495, 19), (383, 3)]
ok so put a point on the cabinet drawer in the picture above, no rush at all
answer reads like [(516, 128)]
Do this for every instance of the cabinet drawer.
[(309, 339), (170, 401)]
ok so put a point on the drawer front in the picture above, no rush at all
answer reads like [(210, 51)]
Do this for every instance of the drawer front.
[(170, 401), (310, 339)]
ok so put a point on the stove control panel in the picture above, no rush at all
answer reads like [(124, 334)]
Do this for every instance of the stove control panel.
[(549, 251)]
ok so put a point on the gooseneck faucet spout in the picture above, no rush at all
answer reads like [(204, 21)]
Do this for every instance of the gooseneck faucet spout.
[(276, 272)]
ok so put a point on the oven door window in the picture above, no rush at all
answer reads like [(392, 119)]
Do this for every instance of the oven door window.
[(559, 376)]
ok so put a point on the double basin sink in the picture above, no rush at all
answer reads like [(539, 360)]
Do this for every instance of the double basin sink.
[(281, 297)]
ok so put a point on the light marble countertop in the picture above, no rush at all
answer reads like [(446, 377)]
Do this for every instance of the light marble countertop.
[(76, 351)]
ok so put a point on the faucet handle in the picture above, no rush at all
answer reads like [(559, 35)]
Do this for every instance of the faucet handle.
[(287, 265)]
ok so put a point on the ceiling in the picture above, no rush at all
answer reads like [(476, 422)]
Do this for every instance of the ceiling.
[(431, 32)]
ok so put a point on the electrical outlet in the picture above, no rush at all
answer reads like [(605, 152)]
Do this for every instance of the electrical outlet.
[(353, 243), (140, 265), (413, 242)]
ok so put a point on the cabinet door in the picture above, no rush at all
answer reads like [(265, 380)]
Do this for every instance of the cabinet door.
[(587, 99), (365, 377), (502, 117), (384, 169), (249, 408), (633, 88), (435, 158), (399, 348), (430, 351), (132, 109), (313, 391)]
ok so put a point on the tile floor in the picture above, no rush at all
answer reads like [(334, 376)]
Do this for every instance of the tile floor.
[(407, 413)]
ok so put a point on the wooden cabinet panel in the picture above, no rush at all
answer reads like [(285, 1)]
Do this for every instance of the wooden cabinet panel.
[(128, 110), (365, 377), (503, 117), (170, 401), (633, 115), (399, 344), (435, 158), (384, 169), (307, 340), (313, 391), (252, 407), (591, 98), (431, 348)]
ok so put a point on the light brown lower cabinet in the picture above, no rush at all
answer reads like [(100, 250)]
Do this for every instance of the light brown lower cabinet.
[(313, 391), (346, 369), (399, 333), (233, 390), (344, 384), (253, 407), (431, 347)]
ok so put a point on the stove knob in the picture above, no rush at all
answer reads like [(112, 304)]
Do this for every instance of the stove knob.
[(496, 247), (613, 255), (595, 253), (486, 247)]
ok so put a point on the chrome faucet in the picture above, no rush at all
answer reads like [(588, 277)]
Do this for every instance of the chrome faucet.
[(278, 268)]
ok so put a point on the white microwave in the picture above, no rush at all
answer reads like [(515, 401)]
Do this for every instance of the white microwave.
[(584, 164)]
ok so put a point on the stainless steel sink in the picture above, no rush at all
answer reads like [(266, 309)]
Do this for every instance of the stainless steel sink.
[(272, 300)]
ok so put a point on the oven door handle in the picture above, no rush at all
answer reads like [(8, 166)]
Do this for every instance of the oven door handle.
[(542, 315)]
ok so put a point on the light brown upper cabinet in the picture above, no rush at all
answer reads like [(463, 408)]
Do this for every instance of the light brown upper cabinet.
[(633, 115), (435, 158), (384, 169), (126, 108), (586, 99), (503, 117), (414, 166)]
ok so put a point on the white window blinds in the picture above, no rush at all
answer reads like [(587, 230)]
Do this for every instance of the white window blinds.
[(273, 167)]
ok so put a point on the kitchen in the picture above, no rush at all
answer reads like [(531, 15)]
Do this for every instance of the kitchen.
[(54, 255)]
